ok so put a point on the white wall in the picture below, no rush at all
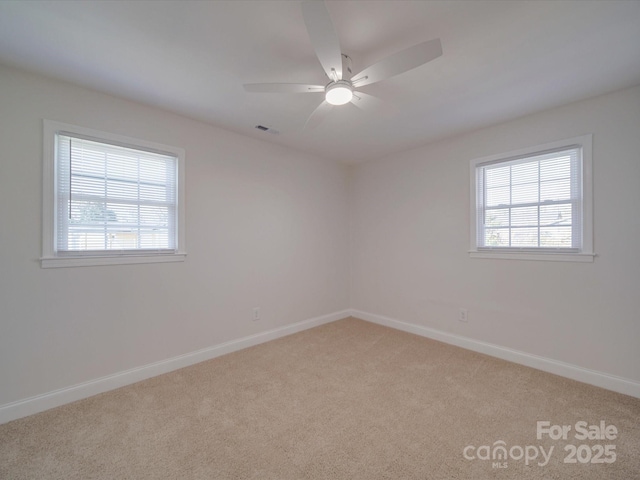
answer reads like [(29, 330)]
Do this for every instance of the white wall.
[(410, 237), (266, 226), (271, 227)]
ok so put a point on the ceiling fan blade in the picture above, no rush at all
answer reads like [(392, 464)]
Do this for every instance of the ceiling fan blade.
[(283, 88), (323, 37), (366, 102), (399, 62), (318, 115)]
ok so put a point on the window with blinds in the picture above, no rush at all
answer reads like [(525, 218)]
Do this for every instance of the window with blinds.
[(110, 197), (113, 198), (532, 202)]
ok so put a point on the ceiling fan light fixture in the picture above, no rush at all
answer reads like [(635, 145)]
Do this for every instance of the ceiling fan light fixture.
[(339, 93)]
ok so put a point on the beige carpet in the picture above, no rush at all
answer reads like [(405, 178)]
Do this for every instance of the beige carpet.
[(347, 400)]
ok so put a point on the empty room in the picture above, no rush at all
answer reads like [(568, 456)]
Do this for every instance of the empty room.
[(308, 239)]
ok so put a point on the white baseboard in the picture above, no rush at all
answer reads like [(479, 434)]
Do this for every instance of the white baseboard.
[(39, 403), (574, 372)]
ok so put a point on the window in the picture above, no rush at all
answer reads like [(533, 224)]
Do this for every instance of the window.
[(110, 199), (534, 203)]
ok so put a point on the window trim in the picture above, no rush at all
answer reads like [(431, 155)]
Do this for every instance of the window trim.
[(586, 253), (49, 258)]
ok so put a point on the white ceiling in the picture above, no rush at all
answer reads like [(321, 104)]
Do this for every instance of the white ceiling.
[(501, 60)]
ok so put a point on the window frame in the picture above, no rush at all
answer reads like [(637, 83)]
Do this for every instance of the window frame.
[(585, 253), (50, 257)]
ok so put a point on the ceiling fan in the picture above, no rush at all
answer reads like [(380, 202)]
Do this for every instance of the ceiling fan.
[(343, 87)]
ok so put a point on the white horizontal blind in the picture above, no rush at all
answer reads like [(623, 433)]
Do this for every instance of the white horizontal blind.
[(531, 203), (112, 199)]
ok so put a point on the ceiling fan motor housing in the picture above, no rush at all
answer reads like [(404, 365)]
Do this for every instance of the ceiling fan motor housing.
[(339, 92)]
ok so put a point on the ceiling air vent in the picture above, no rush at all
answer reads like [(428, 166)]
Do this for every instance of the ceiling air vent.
[(267, 129)]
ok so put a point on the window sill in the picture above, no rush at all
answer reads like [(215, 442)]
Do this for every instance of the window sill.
[(61, 262), (545, 257)]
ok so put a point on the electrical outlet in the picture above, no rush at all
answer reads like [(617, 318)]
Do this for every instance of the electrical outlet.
[(462, 315), (256, 313)]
